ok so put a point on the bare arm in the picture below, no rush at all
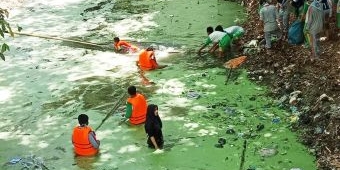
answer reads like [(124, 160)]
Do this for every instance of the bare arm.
[(200, 50), (214, 47)]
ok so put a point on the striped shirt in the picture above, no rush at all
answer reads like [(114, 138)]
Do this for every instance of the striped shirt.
[(314, 18)]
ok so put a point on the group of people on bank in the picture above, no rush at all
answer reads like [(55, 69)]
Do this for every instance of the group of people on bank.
[(137, 112), (317, 15), (275, 21)]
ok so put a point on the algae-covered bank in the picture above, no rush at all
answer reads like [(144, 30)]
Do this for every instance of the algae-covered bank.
[(208, 123)]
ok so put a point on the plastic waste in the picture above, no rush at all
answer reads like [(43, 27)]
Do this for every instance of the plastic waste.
[(295, 33), (193, 95), (268, 152), (222, 141), (218, 145), (251, 167), (28, 162), (230, 131), (230, 111), (293, 119), (259, 127), (318, 130), (15, 160), (276, 120), (293, 109)]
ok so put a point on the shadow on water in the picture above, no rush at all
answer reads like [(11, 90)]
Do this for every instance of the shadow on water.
[(178, 111), (130, 7), (97, 93)]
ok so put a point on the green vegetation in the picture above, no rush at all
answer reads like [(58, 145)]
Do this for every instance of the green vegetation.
[(5, 27)]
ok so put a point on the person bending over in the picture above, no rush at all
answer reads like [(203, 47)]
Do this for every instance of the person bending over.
[(123, 46), (219, 39)]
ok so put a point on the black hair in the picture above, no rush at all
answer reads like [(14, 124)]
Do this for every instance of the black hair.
[(116, 39), (210, 29), (151, 118), (132, 90), (262, 2), (150, 48), (219, 28), (83, 119)]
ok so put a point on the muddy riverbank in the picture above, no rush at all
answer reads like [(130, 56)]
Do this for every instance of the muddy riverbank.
[(288, 70)]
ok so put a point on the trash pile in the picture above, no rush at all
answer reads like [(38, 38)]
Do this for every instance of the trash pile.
[(30, 162)]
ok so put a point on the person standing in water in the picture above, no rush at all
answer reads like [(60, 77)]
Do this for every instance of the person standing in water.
[(136, 106), (153, 128), (84, 139), (147, 60)]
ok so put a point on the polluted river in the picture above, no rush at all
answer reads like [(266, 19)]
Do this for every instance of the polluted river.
[(210, 121)]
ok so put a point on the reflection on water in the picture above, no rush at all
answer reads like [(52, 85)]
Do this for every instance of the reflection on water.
[(86, 163)]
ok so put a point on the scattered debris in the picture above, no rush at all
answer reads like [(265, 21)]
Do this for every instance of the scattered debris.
[(193, 95), (268, 152), (27, 162)]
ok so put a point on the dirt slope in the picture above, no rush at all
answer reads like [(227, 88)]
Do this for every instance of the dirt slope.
[(287, 69)]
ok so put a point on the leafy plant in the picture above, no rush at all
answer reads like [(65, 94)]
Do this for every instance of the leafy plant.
[(4, 28)]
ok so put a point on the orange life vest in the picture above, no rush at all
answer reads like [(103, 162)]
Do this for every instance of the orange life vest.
[(81, 143), (139, 106), (126, 45), (145, 62)]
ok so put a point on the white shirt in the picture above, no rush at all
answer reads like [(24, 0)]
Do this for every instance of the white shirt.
[(216, 36)]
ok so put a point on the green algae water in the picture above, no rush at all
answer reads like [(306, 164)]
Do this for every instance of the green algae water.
[(45, 85)]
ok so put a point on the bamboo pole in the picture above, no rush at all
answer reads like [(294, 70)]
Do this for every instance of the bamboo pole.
[(101, 45), (112, 111), (58, 38)]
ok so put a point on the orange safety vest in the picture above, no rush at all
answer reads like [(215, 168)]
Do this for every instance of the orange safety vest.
[(145, 62), (81, 143), (126, 45), (139, 106)]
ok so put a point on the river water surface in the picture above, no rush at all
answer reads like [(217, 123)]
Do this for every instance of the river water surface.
[(45, 84)]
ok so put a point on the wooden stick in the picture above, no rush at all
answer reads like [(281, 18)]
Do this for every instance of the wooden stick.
[(58, 38), (228, 76), (115, 107), (101, 45), (243, 154)]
